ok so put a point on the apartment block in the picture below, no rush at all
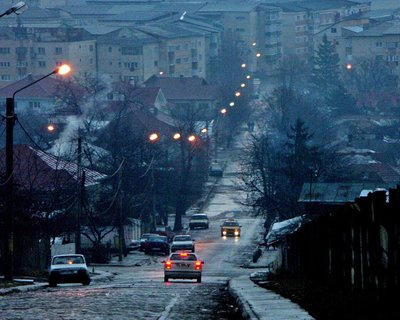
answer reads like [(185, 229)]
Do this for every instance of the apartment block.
[(381, 42), (254, 28), (38, 50)]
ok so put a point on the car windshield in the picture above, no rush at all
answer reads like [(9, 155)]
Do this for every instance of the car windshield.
[(199, 217), (180, 257), (68, 260), (158, 239), (183, 238), (230, 224)]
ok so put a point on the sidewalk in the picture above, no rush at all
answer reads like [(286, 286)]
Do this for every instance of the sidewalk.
[(256, 302)]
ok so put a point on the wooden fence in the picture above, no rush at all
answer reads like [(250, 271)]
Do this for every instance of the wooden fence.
[(356, 248)]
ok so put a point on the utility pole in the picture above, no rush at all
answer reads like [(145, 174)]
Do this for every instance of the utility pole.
[(9, 186), (80, 178), (121, 235)]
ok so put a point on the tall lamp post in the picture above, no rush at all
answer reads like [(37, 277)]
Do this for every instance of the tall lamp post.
[(17, 8), (9, 214)]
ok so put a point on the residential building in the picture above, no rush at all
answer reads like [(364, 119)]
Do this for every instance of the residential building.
[(39, 50), (379, 41), (189, 91), (253, 28), (182, 52), (301, 20)]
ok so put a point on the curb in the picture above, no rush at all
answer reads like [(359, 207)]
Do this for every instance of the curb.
[(244, 306), (101, 276)]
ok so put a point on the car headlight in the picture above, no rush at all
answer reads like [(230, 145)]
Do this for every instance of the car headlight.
[(224, 233), (237, 232)]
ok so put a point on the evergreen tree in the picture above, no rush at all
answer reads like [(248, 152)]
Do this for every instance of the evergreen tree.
[(325, 75)]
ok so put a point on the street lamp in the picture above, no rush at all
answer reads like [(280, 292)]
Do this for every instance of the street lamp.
[(17, 8), (9, 214)]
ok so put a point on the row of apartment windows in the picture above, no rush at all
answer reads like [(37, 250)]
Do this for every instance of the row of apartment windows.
[(184, 47), (40, 64), (389, 45), (301, 39), (20, 50)]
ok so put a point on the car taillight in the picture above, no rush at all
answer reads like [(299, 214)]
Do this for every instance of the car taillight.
[(168, 264), (183, 254), (197, 265)]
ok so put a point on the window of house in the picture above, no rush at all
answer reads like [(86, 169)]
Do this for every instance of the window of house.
[(240, 18), (42, 64), (34, 104), (239, 29), (5, 77), (4, 64), (41, 50), (5, 50), (194, 65), (379, 44), (109, 49), (171, 69), (156, 63), (131, 51), (91, 48), (178, 61), (186, 59), (58, 50), (110, 96), (333, 30)]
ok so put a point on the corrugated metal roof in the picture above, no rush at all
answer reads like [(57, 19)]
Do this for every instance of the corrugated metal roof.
[(338, 193)]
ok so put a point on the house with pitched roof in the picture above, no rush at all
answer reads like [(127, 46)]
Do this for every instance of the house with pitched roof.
[(185, 92)]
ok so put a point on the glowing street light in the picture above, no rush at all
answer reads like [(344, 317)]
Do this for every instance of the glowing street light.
[(161, 73), (204, 130), (243, 65), (51, 128), (242, 85), (191, 138), (176, 136), (9, 180), (254, 44), (238, 94), (17, 8), (153, 136), (248, 77), (223, 111), (231, 104), (349, 66), (258, 54)]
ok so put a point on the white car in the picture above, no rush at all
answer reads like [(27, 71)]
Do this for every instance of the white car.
[(182, 242), (68, 268), (199, 220), (183, 265)]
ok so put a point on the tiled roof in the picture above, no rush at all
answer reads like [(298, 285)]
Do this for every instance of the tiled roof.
[(35, 169), (45, 88), (184, 88)]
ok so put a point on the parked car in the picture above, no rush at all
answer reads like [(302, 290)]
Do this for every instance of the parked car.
[(156, 243), (166, 231), (183, 265), (133, 245), (216, 170), (199, 220), (144, 238), (182, 242), (230, 227), (68, 268)]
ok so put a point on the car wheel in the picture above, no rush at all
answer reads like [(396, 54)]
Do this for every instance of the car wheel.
[(166, 279), (52, 284), (86, 282), (207, 226), (193, 249), (199, 279), (146, 251)]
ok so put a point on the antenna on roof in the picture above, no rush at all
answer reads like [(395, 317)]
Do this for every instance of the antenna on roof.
[(182, 16)]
